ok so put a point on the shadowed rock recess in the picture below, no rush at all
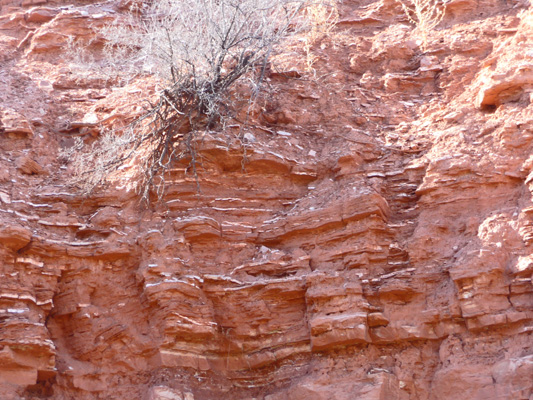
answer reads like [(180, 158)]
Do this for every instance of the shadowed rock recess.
[(374, 241)]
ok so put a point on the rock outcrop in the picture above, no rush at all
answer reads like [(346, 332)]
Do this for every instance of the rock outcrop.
[(369, 237)]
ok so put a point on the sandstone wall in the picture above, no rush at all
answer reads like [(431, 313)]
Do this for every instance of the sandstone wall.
[(377, 243)]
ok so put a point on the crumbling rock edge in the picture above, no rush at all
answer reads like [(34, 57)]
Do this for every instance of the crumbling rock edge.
[(377, 244)]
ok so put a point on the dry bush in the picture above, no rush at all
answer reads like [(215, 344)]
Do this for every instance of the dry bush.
[(323, 17), (199, 50), (86, 61), (425, 14)]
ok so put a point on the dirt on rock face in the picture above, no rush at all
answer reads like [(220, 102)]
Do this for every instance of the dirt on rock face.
[(377, 243)]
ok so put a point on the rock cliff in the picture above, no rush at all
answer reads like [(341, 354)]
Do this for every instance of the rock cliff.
[(371, 238)]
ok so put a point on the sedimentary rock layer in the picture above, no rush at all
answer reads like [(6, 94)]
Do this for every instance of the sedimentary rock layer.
[(368, 235)]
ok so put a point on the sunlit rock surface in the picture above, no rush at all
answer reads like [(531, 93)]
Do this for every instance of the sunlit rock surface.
[(371, 237)]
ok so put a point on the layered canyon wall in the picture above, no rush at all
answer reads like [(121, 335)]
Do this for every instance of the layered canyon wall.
[(370, 238)]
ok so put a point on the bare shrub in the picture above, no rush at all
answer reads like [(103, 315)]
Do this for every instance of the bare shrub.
[(323, 17), (425, 14), (198, 49), (86, 62)]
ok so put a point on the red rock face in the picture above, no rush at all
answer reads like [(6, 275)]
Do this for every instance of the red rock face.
[(373, 242)]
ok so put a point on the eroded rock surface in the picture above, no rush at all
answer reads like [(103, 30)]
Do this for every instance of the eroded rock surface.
[(374, 241)]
